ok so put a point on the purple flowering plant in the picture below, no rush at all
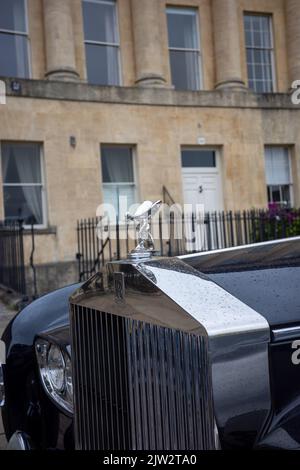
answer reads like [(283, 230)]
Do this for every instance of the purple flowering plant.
[(277, 222)]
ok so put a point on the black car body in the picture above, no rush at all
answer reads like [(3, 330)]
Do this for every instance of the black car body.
[(197, 352)]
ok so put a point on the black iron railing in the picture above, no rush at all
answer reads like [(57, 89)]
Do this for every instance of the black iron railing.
[(180, 233), (94, 246), (12, 270)]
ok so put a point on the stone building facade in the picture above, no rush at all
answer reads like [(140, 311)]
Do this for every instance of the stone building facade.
[(108, 97)]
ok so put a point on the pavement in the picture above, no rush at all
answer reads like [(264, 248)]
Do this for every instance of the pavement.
[(6, 314)]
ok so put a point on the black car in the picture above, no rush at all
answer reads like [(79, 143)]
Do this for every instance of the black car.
[(195, 352)]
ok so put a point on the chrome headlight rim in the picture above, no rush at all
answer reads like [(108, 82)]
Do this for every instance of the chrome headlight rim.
[(60, 396)]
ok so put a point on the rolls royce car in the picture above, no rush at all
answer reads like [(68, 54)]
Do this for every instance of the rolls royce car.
[(186, 353)]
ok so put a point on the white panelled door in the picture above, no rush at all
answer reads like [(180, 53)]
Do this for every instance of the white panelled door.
[(202, 183), (202, 188)]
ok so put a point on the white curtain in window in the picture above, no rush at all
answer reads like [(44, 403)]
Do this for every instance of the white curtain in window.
[(21, 55), (110, 25), (19, 15), (192, 69), (112, 194), (32, 193), (191, 58), (119, 179), (27, 172), (119, 170), (277, 166), (20, 26), (5, 162), (33, 198), (112, 65), (190, 31)]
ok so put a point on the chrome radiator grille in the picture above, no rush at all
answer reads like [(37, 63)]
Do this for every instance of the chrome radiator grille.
[(139, 386)]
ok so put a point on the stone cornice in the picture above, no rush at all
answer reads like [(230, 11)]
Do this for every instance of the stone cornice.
[(82, 92)]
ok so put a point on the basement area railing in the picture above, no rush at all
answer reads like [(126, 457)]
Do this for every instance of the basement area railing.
[(100, 240), (12, 270)]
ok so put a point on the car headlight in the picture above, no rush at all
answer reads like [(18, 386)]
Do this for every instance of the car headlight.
[(56, 373)]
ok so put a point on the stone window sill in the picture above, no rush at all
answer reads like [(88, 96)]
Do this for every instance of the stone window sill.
[(41, 231)]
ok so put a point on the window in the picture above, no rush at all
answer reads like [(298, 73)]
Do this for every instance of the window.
[(195, 158), (101, 42), (260, 52), (14, 43), (278, 175), (118, 176), (23, 182), (184, 48)]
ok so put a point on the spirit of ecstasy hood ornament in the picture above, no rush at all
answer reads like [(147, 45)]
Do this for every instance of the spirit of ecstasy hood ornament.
[(142, 217)]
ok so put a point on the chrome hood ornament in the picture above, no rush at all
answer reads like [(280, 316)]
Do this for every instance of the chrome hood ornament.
[(142, 216)]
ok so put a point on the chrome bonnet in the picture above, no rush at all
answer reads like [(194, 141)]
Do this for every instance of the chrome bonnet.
[(171, 294)]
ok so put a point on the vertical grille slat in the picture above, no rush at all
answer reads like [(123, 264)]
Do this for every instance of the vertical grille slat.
[(136, 408), (157, 402), (99, 389), (139, 386), (148, 372), (110, 394), (121, 386), (105, 402)]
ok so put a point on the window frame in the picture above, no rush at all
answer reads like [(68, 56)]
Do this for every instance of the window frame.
[(200, 148), (280, 189), (280, 186), (42, 184), (133, 184), (177, 10), (270, 49), (23, 34), (116, 45)]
